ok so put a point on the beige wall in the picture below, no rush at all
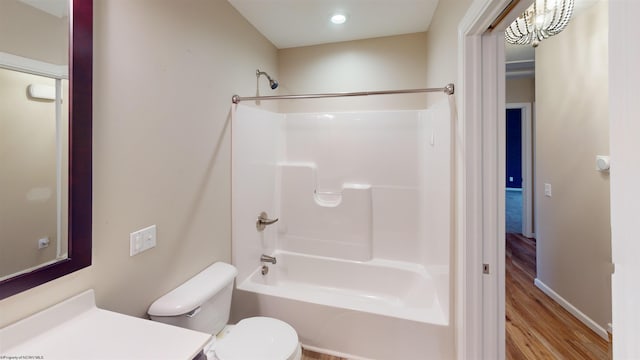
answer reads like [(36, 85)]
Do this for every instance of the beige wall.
[(397, 62), (387, 63), (161, 138), (442, 45), (521, 90), (572, 127), (34, 34), (164, 74)]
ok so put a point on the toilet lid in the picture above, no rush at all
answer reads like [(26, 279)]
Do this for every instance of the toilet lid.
[(258, 338)]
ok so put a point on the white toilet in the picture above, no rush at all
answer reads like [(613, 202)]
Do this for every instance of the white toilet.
[(203, 303)]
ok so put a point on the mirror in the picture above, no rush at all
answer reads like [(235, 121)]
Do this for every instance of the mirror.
[(34, 78), (78, 191)]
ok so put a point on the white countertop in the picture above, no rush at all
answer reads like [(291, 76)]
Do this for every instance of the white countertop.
[(77, 329)]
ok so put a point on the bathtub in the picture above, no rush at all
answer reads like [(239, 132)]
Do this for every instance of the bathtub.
[(350, 189), (375, 309)]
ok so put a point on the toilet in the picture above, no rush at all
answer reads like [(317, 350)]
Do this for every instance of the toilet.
[(203, 303)]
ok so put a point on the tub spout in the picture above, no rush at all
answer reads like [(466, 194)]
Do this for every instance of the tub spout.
[(267, 258)]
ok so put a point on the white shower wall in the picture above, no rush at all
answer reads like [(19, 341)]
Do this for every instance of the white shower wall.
[(381, 180), (256, 145)]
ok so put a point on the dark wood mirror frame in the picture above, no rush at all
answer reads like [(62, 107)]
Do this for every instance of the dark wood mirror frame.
[(80, 135)]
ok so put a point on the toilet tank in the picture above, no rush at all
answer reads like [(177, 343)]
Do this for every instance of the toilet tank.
[(202, 303)]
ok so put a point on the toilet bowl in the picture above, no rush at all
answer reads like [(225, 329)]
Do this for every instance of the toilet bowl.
[(203, 303), (256, 338)]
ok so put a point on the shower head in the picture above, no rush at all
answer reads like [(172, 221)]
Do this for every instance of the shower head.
[(272, 83)]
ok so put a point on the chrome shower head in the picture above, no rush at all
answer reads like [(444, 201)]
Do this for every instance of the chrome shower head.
[(272, 83)]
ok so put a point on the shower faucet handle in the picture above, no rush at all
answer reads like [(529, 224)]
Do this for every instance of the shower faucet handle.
[(263, 221)]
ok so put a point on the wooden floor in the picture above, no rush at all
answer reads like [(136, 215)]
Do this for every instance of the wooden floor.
[(310, 355), (537, 327)]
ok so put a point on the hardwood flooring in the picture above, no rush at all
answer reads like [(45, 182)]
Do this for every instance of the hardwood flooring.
[(310, 355), (536, 326)]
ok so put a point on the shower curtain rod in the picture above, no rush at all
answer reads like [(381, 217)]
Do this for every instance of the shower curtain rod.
[(449, 90)]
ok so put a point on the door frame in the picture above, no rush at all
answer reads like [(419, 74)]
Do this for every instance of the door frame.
[(480, 335), (526, 120), (479, 187)]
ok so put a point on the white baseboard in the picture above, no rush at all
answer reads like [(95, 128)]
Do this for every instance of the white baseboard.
[(602, 332)]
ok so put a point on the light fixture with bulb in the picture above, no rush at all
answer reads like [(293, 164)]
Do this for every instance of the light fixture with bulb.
[(544, 18), (338, 19)]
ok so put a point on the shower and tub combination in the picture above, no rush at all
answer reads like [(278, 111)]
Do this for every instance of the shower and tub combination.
[(341, 226)]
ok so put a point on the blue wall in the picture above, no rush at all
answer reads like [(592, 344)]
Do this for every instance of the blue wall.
[(514, 148)]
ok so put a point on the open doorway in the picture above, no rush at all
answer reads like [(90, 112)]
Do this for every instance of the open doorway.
[(519, 167), (483, 108), (513, 186), (546, 273)]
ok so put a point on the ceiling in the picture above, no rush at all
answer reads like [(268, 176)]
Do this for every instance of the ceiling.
[(295, 23)]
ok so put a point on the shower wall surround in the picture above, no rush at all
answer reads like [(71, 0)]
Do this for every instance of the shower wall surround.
[(363, 240), (335, 223), (352, 185)]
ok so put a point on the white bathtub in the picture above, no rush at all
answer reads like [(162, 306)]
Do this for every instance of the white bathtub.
[(339, 299), (376, 309)]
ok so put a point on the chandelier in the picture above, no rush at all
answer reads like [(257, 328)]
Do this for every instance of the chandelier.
[(541, 20)]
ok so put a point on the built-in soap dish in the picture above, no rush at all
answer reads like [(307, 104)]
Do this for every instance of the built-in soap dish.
[(334, 198), (327, 198)]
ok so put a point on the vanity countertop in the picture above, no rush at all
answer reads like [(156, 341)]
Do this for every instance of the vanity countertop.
[(77, 329)]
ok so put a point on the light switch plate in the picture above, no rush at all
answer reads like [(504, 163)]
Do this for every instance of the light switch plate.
[(547, 190), (142, 240)]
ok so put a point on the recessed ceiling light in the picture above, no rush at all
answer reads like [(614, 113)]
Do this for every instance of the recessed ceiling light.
[(338, 19)]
